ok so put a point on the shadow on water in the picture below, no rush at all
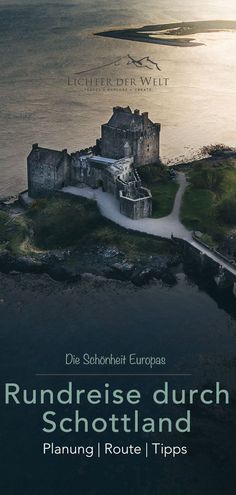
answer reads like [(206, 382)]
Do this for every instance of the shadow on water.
[(204, 279)]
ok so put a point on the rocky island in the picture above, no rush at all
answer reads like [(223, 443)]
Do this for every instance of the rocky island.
[(87, 212)]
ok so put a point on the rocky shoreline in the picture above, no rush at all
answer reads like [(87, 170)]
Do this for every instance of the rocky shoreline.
[(71, 265)]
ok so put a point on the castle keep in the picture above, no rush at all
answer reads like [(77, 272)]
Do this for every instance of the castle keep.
[(128, 140), (131, 134)]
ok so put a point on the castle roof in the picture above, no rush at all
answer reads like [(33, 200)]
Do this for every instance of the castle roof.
[(124, 119), (46, 156)]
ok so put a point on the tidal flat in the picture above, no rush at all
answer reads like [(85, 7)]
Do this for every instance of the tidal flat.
[(173, 34)]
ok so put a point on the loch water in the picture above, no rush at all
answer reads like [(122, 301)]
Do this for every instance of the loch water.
[(42, 44), (192, 325)]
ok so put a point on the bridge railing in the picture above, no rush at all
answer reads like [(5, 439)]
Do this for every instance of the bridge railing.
[(214, 251)]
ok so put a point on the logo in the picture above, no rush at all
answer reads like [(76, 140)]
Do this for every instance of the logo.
[(125, 73), (144, 63)]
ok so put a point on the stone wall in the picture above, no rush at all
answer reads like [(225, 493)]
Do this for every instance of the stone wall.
[(113, 142), (136, 208), (147, 147), (108, 182), (43, 179), (82, 171), (144, 147)]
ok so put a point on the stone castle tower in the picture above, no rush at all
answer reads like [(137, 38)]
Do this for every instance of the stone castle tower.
[(48, 170), (129, 140), (131, 134)]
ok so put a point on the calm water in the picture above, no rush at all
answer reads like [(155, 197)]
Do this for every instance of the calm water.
[(42, 320), (41, 44)]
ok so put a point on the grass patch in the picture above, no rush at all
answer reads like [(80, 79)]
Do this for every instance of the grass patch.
[(163, 188), (60, 222), (229, 182), (131, 243), (163, 196), (14, 231), (208, 240), (202, 200), (197, 209)]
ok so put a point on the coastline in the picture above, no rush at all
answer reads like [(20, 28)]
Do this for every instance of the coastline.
[(181, 30), (125, 35), (73, 264), (111, 248)]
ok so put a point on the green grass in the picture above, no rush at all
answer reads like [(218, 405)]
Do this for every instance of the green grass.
[(157, 179), (163, 196), (197, 209), (200, 205), (229, 183), (60, 222), (63, 221), (129, 242), (13, 232)]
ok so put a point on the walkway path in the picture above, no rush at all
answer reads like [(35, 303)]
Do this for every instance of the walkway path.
[(214, 256), (161, 227)]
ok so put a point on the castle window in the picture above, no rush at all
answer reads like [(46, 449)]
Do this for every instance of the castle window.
[(148, 148)]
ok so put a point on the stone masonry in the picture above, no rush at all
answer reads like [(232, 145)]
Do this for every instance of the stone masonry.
[(128, 140), (131, 134)]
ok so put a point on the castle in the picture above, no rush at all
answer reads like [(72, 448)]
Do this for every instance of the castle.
[(132, 134), (128, 140)]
